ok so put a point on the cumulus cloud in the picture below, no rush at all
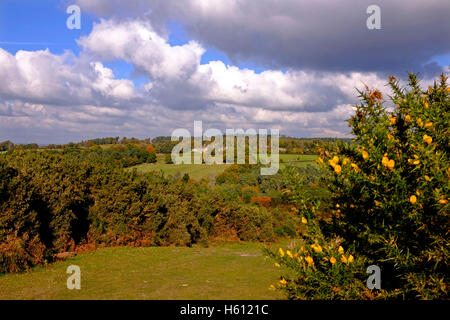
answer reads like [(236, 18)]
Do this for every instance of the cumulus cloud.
[(314, 35), (177, 69), (42, 77), (44, 92), (137, 42)]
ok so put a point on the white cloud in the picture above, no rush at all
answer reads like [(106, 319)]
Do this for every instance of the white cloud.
[(178, 77), (41, 76), (137, 42), (79, 97)]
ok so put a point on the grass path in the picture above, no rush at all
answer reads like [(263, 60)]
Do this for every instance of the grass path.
[(237, 271)]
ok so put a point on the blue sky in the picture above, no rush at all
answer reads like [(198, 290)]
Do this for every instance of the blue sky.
[(291, 65), (38, 25)]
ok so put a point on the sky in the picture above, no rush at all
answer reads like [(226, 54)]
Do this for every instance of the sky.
[(143, 68)]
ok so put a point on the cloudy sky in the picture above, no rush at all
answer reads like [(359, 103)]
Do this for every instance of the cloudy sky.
[(143, 68)]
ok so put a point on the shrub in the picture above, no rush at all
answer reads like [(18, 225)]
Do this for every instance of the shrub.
[(21, 253), (390, 195), (319, 267), (393, 189)]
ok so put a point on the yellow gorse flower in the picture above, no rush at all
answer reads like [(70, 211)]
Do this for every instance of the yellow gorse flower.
[(344, 259), (365, 155), (334, 163), (304, 221), (289, 254), (413, 199), (443, 201), (391, 164), (317, 248), (428, 124), (407, 118), (419, 122), (386, 162), (350, 258), (341, 250), (333, 260), (283, 281), (427, 139), (337, 169), (355, 167), (393, 120), (310, 260), (281, 252)]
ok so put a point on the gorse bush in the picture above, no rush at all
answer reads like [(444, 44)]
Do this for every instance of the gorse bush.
[(390, 192), (319, 268)]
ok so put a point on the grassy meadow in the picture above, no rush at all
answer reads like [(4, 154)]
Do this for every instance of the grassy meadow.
[(229, 271)]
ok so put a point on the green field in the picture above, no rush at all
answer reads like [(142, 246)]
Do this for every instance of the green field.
[(195, 171), (297, 160), (198, 171), (231, 271)]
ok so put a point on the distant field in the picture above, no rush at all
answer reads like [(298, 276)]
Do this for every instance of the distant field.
[(198, 171), (233, 271), (195, 171), (297, 160)]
